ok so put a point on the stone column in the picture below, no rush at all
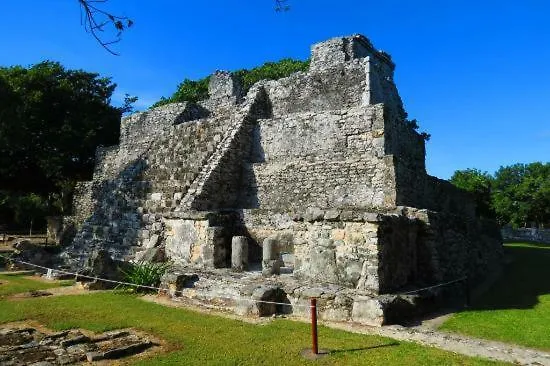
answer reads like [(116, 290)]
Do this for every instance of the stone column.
[(270, 263), (239, 253), (54, 229), (214, 251)]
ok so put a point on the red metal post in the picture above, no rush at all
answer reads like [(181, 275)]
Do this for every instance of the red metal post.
[(313, 307)]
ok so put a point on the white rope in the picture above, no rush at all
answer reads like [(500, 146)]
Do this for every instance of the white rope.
[(218, 297), (144, 286), (434, 286)]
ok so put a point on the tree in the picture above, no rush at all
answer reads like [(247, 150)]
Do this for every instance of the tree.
[(51, 121), (479, 184), (522, 194)]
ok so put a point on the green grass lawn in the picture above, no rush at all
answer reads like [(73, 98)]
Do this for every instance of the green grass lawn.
[(198, 339), (12, 284), (517, 308)]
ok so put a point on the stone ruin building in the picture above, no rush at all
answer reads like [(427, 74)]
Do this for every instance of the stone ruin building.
[(310, 185)]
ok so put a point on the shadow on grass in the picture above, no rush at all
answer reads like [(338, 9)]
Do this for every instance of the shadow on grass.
[(391, 344), (524, 279)]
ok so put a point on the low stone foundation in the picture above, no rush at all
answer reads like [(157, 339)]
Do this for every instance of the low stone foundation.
[(252, 294)]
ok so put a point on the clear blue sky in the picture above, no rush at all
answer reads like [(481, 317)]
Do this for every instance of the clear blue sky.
[(476, 74)]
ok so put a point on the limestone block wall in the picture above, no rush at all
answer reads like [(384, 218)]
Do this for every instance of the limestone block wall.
[(175, 159), (320, 159), (202, 239), (322, 250), (151, 174), (220, 184), (83, 203), (143, 127), (453, 246), (418, 189)]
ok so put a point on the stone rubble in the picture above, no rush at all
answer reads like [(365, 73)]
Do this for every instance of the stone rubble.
[(21, 346)]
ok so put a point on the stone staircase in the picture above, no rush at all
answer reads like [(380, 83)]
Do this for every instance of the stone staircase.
[(196, 188), (141, 184)]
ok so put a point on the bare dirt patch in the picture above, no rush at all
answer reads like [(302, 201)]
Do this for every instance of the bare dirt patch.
[(76, 289)]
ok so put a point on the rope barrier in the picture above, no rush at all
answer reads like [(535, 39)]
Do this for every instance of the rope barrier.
[(433, 286), (160, 289)]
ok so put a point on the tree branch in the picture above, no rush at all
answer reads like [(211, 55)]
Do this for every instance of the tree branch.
[(281, 5), (96, 20)]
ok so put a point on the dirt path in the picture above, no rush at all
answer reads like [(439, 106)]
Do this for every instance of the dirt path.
[(455, 343)]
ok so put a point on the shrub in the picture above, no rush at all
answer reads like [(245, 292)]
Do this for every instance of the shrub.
[(197, 90), (144, 274)]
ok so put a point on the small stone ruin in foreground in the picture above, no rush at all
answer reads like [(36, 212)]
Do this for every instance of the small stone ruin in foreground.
[(310, 185), (21, 346)]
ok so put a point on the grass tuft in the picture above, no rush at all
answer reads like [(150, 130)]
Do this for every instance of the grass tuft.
[(144, 274)]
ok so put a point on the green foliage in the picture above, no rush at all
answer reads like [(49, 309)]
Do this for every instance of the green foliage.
[(479, 184), (128, 104), (271, 71), (413, 123), (197, 90), (188, 91), (522, 194), (144, 274), (29, 208), (22, 209), (51, 121), (518, 194)]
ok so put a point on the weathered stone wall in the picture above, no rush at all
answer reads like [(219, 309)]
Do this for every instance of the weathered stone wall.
[(220, 186), (164, 163), (201, 239), (526, 234), (417, 189), (322, 250), (454, 246), (321, 168), (320, 159), (83, 201)]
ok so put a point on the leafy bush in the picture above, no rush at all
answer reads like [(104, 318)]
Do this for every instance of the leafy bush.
[(5, 261), (271, 71), (19, 210), (144, 274), (196, 90), (516, 195)]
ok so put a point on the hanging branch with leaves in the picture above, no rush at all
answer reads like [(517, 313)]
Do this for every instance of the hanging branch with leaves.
[(281, 5), (97, 21)]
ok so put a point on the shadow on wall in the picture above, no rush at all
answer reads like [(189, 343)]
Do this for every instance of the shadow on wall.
[(256, 154), (115, 219), (524, 279), (249, 198)]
